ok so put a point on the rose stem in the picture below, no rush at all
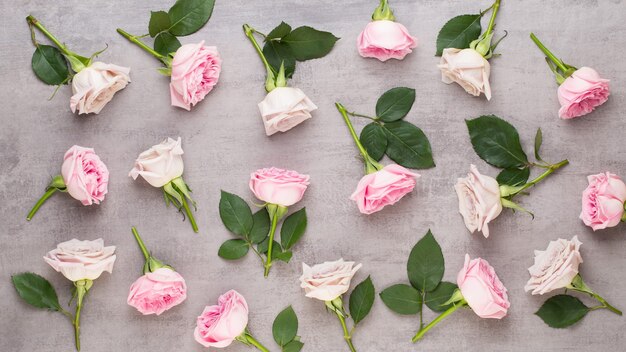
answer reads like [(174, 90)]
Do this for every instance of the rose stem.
[(49, 192), (545, 174), (371, 165), (82, 287), (548, 53), (142, 246), (606, 304), (443, 315), (250, 34), (33, 21), (346, 335), (492, 22), (192, 220), (270, 246), (256, 343), (134, 39)]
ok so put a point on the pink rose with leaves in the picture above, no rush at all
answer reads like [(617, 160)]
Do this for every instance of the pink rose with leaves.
[(479, 200), (85, 175), (482, 289), (195, 71), (603, 201), (221, 324), (582, 92), (278, 186), (157, 291), (382, 188), (384, 40)]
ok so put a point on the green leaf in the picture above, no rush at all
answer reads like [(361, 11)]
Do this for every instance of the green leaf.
[(402, 299), (308, 43), (561, 311), (50, 65), (408, 146), (538, 141), (285, 326), (284, 256), (293, 228), (293, 346), (513, 176), (361, 300), (426, 265), (435, 299), (458, 32), (165, 43), (235, 214), (395, 104), (260, 227), (374, 140), (233, 249), (276, 53), (496, 142), (159, 22), (263, 246), (188, 16), (279, 32), (36, 291)]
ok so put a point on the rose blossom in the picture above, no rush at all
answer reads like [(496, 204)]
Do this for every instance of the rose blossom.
[(195, 71), (284, 108), (78, 260), (555, 267), (385, 40), (482, 289), (219, 325), (603, 201), (479, 200), (382, 188), (582, 92), (158, 291), (160, 164), (85, 175), (95, 85), (278, 186), (467, 68), (328, 280)]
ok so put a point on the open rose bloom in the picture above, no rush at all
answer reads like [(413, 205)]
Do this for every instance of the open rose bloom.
[(284, 108), (582, 92), (482, 289), (278, 186), (384, 187), (95, 85), (219, 325), (479, 200), (468, 68), (328, 280), (603, 201), (160, 164), (81, 260), (555, 267), (85, 175), (384, 40), (157, 291)]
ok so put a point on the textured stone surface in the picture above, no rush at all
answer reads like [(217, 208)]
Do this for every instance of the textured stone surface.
[(224, 141)]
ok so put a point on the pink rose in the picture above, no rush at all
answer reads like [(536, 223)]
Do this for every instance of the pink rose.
[(284, 108), (582, 92), (482, 289), (278, 186), (220, 325), (385, 40), (328, 280), (382, 188), (603, 201), (555, 267), (479, 200), (80, 260), (157, 291), (85, 175), (195, 71), (95, 85), (468, 68)]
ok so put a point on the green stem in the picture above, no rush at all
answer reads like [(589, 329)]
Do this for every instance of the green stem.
[(268, 263), (548, 53), (606, 304), (250, 34), (142, 246), (443, 315), (192, 220), (545, 174), (35, 22), (49, 192), (492, 22), (371, 165), (421, 311), (360, 115), (82, 287), (346, 335), (135, 39), (256, 343)]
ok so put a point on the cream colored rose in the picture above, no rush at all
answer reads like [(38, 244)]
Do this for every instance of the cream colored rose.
[(284, 108), (94, 86), (479, 200), (467, 68), (555, 267), (160, 164), (328, 280), (80, 260)]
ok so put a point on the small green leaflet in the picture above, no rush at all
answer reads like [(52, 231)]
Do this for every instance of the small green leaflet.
[(513, 176), (159, 22), (458, 32), (361, 300), (374, 140), (308, 43), (426, 266), (188, 16), (436, 298), (285, 327), (50, 65), (293, 228), (260, 226), (165, 43), (395, 104), (408, 145), (561, 311), (279, 32), (36, 291), (233, 249), (235, 214), (402, 299), (496, 142)]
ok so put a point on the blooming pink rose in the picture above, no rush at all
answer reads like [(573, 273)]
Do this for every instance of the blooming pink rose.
[(195, 71), (482, 289), (385, 40), (603, 201), (79, 260), (582, 92), (95, 85), (328, 280), (555, 267), (85, 175), (158, 291), (278, 186), (382, 188), (284, 108), (220, 325), (467, 68), (479, 200)]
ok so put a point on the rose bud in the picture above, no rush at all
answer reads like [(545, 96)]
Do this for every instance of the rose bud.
[(95, 85), (603, 201)]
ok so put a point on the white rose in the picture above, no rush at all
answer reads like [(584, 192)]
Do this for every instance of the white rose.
[(79, 260), (467, 68), (555, 267), (160, 164), (329, 280), (479, 200), (284, 108), (94, 86)]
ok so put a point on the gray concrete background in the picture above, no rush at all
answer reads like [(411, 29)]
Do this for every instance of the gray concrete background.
[(224, 141)]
